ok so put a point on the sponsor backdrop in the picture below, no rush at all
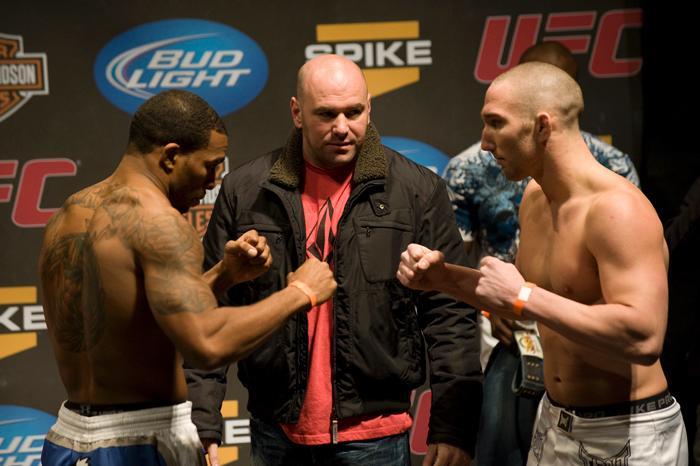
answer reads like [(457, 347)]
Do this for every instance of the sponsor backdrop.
[(72, 74)]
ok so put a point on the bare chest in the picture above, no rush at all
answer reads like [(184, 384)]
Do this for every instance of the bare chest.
[(553, 253)]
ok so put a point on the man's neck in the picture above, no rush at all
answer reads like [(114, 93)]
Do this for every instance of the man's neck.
[(140, 170), (339, 172), (564, 168)]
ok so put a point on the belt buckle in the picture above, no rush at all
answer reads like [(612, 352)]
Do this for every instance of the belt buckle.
[(528, 380)]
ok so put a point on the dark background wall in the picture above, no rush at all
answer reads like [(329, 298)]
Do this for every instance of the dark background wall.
[(670, 155)]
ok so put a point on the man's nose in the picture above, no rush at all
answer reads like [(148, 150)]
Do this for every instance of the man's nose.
[(219, 170), (211, 179), (340, 125), (486, 143)]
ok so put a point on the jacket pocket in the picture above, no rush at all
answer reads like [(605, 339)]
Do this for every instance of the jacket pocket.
[(266, 369), (388, 343), (381, 240), (278, 239)]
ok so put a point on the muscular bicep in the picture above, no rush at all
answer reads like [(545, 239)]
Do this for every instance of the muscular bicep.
[(626, 238), (171, 259)]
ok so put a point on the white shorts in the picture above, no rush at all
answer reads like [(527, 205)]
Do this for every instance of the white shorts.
[(163, 436), (654, 438)]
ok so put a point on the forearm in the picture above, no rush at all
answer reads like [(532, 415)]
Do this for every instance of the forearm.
[(460, 283), (619, 331), (236, 331), (220, 229), (216, 280)]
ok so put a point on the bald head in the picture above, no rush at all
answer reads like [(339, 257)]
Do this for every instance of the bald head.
[(553, 53), (331, 109), (329, 70), (536, 87)]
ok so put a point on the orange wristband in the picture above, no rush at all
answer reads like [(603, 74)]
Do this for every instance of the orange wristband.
[(304, 288), (523, 297)]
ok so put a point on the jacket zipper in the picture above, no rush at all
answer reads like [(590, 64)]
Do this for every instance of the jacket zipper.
[(289, 209), (334, 398)]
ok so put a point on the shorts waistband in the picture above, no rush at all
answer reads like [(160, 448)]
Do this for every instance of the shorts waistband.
[(126, 423), (83, 433), (89, 410), (645, 405)]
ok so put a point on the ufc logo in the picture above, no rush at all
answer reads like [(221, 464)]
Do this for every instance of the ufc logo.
[(27, 211), (574, 29)]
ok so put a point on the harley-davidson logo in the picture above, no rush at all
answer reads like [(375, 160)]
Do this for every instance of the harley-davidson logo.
[(22, 75)]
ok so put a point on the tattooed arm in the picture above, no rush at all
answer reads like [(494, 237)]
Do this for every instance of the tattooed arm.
[(185, 307)]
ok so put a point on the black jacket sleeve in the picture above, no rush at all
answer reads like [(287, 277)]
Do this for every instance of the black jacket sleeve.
[(207, 389), (681, 353), (685, 225), (452, 337)]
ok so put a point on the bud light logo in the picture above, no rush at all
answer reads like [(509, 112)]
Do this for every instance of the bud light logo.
[(22, 433), (220, 64), (419, 152)]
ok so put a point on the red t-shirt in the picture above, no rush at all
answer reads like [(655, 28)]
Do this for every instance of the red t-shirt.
[(324, 197)]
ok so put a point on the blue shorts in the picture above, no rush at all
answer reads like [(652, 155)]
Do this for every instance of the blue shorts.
[(163, 436)]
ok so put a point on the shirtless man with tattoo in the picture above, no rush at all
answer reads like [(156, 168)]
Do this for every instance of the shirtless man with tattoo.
[(125, 296), (590, 269)]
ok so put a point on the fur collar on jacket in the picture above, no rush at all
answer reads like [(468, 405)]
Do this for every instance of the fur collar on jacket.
[(371, 161)]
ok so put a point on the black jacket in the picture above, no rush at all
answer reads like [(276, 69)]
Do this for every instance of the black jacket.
[(378, 348)]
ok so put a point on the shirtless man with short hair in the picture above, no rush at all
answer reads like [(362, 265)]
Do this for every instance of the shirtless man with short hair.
[(125, 296), (590, 269)]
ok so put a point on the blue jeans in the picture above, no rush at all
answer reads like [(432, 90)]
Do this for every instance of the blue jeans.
[(269, 446), (505, 429)]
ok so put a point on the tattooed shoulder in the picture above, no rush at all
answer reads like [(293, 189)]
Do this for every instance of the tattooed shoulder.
[(168, 234), (92, 196), (172, 256)]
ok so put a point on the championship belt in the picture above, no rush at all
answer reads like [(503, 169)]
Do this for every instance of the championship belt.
[(528, 380)]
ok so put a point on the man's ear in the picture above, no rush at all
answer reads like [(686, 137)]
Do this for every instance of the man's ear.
[(369, 108), (295, 108), (168, 154), (543, 127)]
